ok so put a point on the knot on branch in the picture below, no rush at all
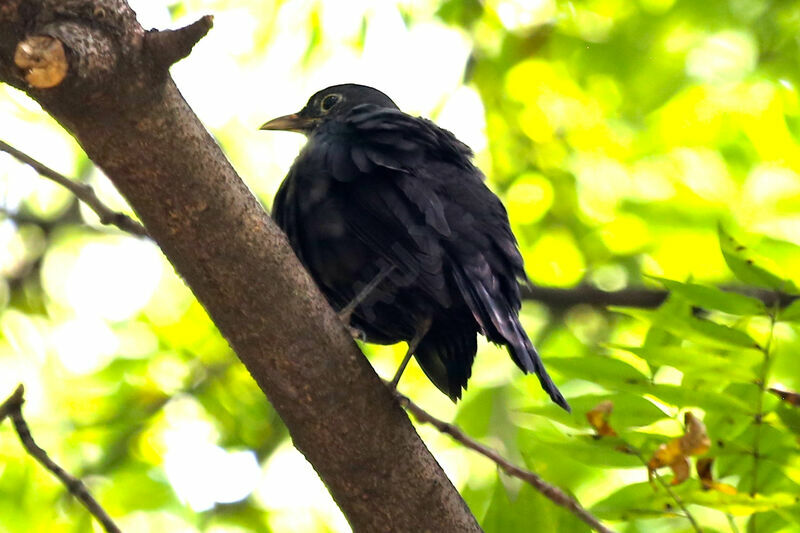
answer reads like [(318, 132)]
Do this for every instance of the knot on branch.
[(43, 61), (167, 47)]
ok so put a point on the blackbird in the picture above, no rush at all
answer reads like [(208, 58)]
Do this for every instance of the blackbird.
[(395, 225)]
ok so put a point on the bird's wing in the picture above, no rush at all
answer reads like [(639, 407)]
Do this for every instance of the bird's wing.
[(384, 220), (420, 202), (481, 253), (396, 208), (386, 142), (285, 212), (486, 268)]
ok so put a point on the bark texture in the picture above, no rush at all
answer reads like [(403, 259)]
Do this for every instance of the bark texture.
[(117, 99)]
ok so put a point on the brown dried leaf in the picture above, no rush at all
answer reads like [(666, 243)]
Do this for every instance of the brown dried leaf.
[(680, 469), (790, 397), (695, 441), (707, 478), (676, 452), (598, 418), (665, 455)]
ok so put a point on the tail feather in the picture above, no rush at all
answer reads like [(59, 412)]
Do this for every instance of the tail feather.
[(446, 354), (499, 323), (527, 358)]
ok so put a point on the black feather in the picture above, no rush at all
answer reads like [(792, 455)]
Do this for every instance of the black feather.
[(376, 187)]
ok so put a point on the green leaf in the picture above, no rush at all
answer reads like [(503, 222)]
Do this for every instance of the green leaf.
[(714, 298), (790, 313), (721, 332), (461, 12), (605, 371), (644, 499), (630, 410), (618, 375), (691, 328), (529, 511), (682, 396), (477, 411), (144, 489), (789, 415), (586, 449), (698, 361), (743, 264)]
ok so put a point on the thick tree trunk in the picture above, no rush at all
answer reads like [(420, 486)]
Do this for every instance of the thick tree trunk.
[(92, 67)]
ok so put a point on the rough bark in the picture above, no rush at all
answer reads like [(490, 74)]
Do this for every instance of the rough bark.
[(116, 97)]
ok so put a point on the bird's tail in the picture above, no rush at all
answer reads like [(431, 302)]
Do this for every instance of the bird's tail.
[(527, 358), (446, 354), (499, 321)]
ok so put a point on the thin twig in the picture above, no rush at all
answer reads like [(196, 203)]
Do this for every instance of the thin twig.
[(763, 378), (553, 493), (12, 408), (665, 485), (679, 501), (82, 191)]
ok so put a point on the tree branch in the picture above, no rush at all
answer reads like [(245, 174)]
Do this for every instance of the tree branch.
[(130, 119), (82, 191), (560, 299), (170, 46), (12, 408), (551, 492)]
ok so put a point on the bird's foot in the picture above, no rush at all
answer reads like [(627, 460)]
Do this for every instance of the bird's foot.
[(422, 330), (344, 316), (357, 334)]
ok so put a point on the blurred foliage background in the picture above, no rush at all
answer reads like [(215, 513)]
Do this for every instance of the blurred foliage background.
[(620, 135)]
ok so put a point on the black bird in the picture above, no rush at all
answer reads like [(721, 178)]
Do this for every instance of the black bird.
[(395, 225)]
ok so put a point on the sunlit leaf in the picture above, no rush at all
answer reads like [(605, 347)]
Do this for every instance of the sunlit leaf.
[(528, 511), (692, 328), (683, 396), (585, 449), (710, 297), (475, 413), (747, 267), (642, 499), (739, 365), (598, 369), (722, 333), (791, 313), (630, 410)]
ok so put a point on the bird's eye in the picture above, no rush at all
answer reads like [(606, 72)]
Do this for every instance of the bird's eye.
[(329, 101)]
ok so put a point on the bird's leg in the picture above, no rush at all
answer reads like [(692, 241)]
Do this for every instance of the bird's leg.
[(412, 347), (346, 312)]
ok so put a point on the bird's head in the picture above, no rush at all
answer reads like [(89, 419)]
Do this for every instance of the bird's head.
[(330, 103)]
